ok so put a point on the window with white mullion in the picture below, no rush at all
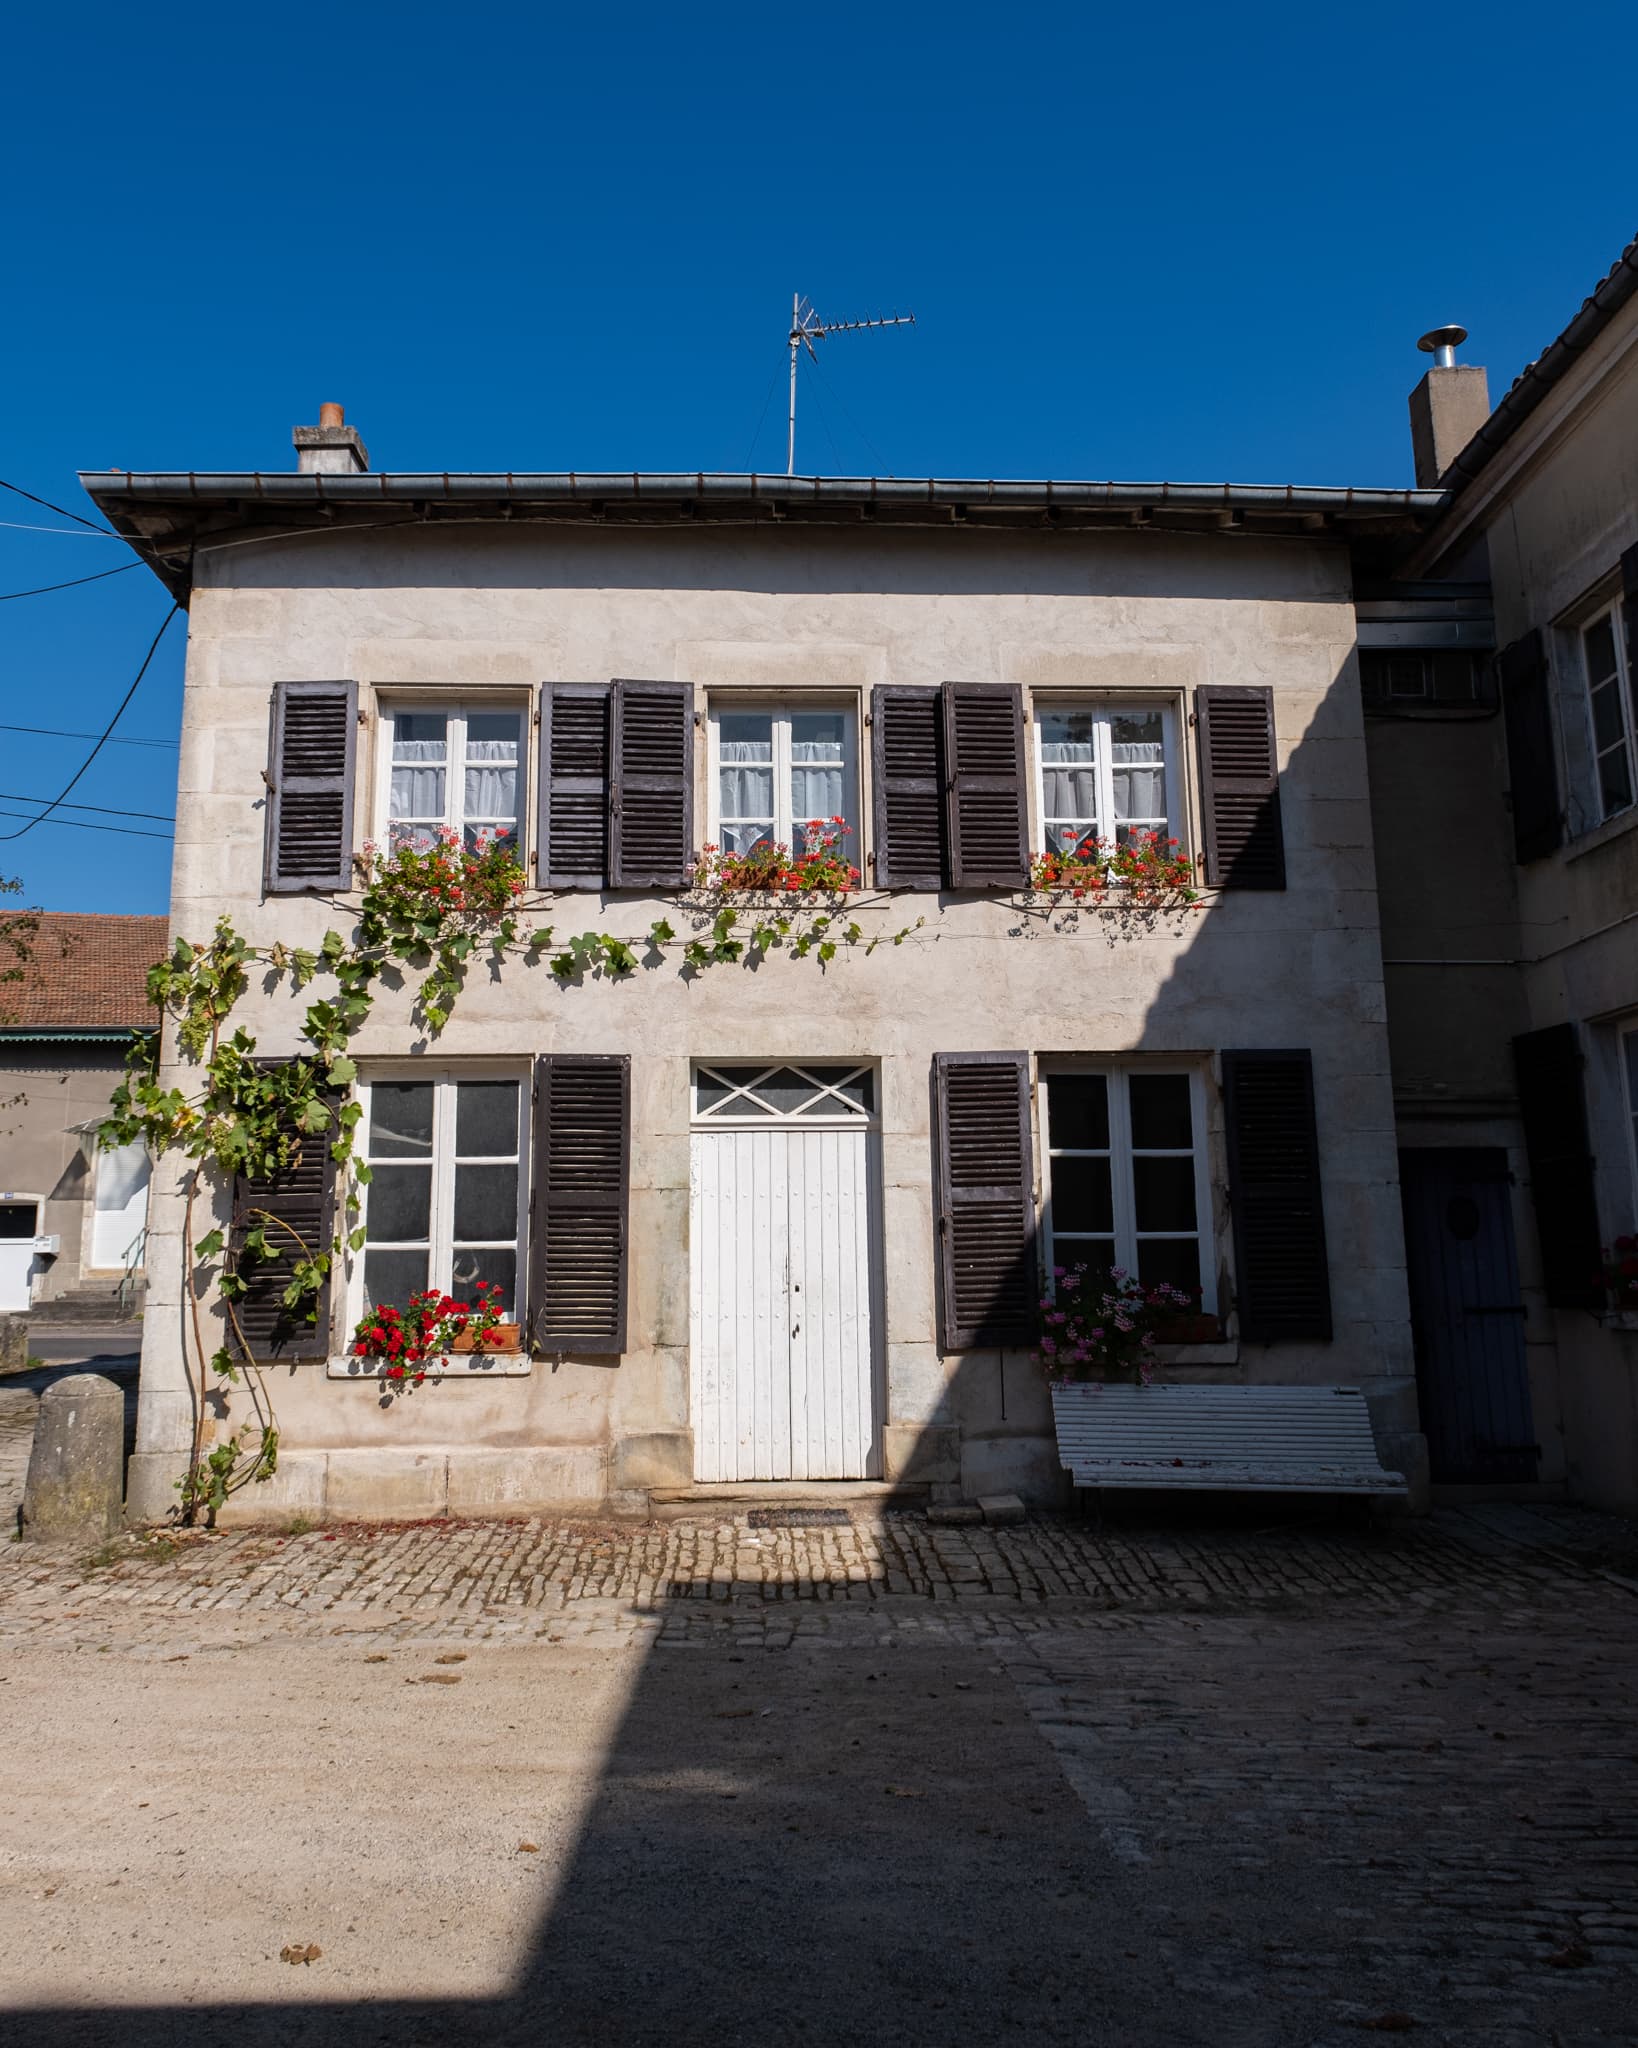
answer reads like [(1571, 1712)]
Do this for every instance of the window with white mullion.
[(452, 767), (1126, 1181), (1611, 707), (775, 770), (1103, 771), (444, 1206)]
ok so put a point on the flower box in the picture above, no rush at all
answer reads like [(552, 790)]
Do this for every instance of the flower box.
[(1197, 1328), (504, 1337)]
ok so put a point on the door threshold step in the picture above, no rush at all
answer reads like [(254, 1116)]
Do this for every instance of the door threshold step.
[(864, 1496)]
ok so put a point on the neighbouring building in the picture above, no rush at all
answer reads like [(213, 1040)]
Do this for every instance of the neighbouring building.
[(1505, 804), (72, 1217), (780, 1220)]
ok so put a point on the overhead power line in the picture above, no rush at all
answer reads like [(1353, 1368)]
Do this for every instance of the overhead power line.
[(73, 583), (57, 732), (102, 740), (12, 796), (86, 825), (62, 510)]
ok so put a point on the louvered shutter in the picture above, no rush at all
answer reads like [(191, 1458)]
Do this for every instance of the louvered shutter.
[(572, 839), (1240, 788), (988, 817), (301, 1199), (651, 820), (310, 770), (907, 777), (1282, 1275), (577, 1217), (986, 1200), (1532, 770), (1552, 1104)]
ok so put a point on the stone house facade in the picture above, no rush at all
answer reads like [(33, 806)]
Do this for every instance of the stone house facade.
[(779, 1220), (73, 997), (1505, 801)]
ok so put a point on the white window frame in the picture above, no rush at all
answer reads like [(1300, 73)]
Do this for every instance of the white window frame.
[(781, 710), (1104, 709), (1625, 705), (837, 1110), (440, 1243), (456, 706), (1121, 1153), (1626, 1045)]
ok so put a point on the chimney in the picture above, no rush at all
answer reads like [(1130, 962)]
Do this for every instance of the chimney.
[(331, 448), (1447, 408)]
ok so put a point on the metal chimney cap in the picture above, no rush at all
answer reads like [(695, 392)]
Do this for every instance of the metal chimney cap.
[(1439, 338)]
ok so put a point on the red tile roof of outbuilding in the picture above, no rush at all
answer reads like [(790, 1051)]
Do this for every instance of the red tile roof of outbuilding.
[(83, 973)]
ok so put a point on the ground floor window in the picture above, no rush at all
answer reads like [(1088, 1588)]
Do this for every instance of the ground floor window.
[(445, 1203), (1125, 1174)]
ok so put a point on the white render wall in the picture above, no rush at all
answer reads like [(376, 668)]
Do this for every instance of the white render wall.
[(799, 609)]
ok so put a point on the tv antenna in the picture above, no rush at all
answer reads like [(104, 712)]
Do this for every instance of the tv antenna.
[(806, 329)]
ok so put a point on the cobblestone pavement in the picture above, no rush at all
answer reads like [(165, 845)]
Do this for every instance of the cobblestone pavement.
[(1327, 1781)]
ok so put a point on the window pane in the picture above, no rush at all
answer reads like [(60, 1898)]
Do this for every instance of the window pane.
[(486, 1119), (858, 1089), (1070, 793), (486, 1203), (499, 1268), (1599, 644), (1614, 780), (1175, 1260), (1068, 735), (401, 1120), (1096, 1254), (398, 1206), (392, 1277), (416, 792), (1078, 1111), (818, 774), (427, 731), (709, 1090), (1081, 1197), (1161, 1121), (744, 838), (1606, 715), (784, 1090), (493, 735), (1163, 1194), (1137, 766)]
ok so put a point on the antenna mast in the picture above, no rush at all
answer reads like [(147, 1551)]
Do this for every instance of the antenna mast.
[(806, 329)]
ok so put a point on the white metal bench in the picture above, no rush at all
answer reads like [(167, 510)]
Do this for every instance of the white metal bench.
[(1240, 1439)]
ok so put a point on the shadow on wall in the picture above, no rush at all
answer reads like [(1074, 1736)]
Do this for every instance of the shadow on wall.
[(851, 1829)]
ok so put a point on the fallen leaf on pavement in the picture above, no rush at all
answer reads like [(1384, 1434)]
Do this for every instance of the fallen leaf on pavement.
[(435, 1678), (528, 1849), (451, 1657), (294, 1952), (377, 1657)]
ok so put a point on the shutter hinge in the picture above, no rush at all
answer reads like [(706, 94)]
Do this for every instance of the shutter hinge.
[(699, 718), (1194, 718), (272, 785), (363, 716), (870, 718)]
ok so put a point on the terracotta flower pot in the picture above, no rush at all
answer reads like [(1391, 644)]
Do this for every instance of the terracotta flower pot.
[(503, 1337)]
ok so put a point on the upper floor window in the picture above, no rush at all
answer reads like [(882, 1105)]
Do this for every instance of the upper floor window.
[(1612, 706), (1104, 773), (774, 770), (1126, 1180), (456, 766)]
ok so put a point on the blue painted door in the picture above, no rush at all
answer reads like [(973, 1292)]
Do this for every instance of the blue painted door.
[(1467, 1316)]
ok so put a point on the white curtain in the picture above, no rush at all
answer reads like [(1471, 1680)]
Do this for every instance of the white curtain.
[(818, 775), (417, 779), (492, 780), (745, 784), (1139, 774), (1069, 780)]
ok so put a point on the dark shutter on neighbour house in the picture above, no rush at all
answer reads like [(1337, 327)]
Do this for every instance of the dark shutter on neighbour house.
[(986, 1200), (1281, 1273), (651, 796), (1629, 619), (1552, 1105), (577, 1214), (988, 829), (907, 775), (1532, 771), (1240, 788), (310, 766), (572, 837), (301, 1200)]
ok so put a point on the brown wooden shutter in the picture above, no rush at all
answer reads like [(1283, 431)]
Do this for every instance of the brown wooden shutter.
[(572, 837), (652, 799), (1552, 1104), (989, 817), (301, 1199), (577, 1218), (310, 769), (1240, 788), (907, 776), (1532, 770), (986, 1200), (1281, 1272)]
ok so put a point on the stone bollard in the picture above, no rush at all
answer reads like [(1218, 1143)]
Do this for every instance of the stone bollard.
[(73, 1492), (13, 1343)]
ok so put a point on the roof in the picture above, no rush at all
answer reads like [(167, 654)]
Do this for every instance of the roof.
[(84, 974), (1536, 379), (171, 516)]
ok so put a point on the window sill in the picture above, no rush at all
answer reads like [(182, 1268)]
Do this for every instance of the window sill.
[(1224, 1352), (1622, 1319), (490, 1365), (1600, 836)]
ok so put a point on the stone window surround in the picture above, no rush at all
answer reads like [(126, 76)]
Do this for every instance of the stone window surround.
[(389, 698), (781, 704), (1172, 709)]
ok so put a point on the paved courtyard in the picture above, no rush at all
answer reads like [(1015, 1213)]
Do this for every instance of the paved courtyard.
[(1214, 1781)]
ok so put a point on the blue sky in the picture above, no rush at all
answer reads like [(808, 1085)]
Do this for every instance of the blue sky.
[(1186, 242)]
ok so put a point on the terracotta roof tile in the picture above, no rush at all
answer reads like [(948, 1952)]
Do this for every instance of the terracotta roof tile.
[(84, 973)]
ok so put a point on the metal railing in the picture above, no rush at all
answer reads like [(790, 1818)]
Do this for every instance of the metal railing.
[(134, 1258)]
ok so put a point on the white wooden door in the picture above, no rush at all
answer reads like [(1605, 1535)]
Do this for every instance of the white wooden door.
[(783, 1317)]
